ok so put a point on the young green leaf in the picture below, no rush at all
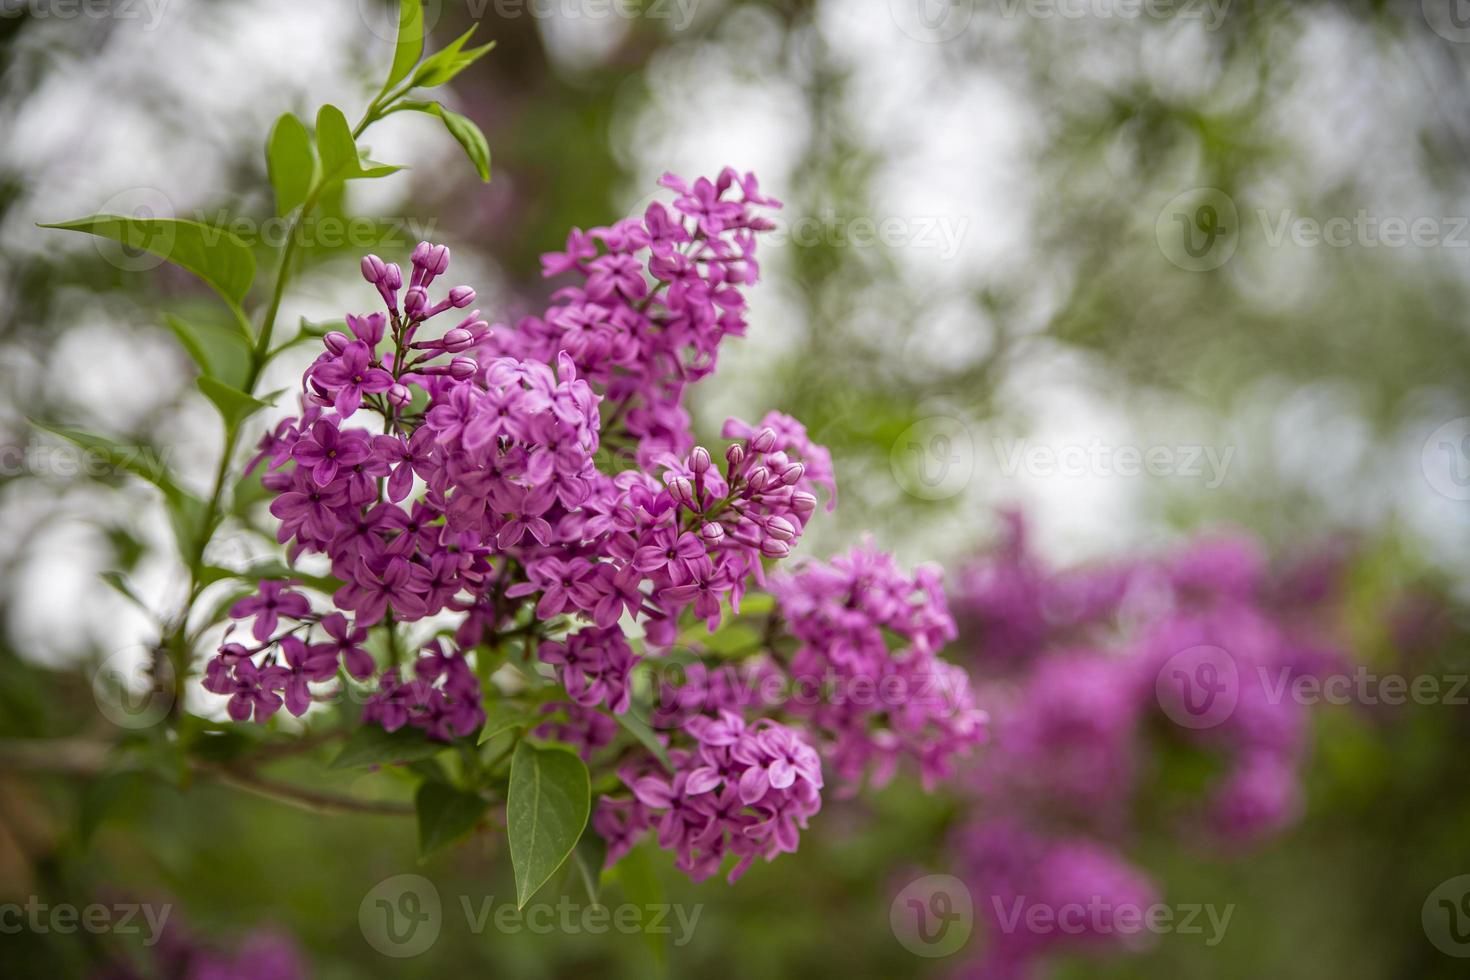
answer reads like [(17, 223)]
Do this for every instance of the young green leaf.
[(234, 405), (465, 132), (545, 813), (640, 730), (340, 157), (369, 745), (588, 858), (291, 163), (410, 46), (445, 814), (212, 254), (443, 65), (220, 353), (501, 718)]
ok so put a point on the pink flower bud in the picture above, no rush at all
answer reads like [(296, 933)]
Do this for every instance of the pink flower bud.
[(457, 340), (336, 341), (399, 395), (803, 504), (699, 460), (373, 269), (764, 441), (759, 478), (463, 368), (734, 456), (792, 474), (712, 533), (682, 491), (780, 528), (415, 300), (461, 296), (772, 548)]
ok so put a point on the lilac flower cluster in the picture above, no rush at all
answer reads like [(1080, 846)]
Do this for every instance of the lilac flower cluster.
[(746, 790), (537, 486), (1085, 668), (873, 635)]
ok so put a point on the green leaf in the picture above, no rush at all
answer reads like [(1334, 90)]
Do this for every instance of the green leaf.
[(464, 130), (445, 815), (545, 812), (588, 857), (340, 158), (501, 718), (443, 65), (120, 583), (642, 887), (410, 44), (369, 745), (291, 163), (640, 730), (234, 405), (185, 511), (222, 354), (212, 254)]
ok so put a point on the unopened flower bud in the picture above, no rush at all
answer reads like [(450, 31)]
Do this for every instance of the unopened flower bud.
[(399, 395), (457, 340), (415, 300), (772, 548), (780, 528), (463, 368), (803, 504), (792, 474), (735, 455), (682, 491), (699, 460), (759, 478), (764, 440), (336, 341), (712, 533), (461, 296)]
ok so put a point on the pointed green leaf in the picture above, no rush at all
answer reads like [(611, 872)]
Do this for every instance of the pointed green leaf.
[(443, 65), (410, 46), (463, 129), (501, 718), (222, 354), (291, 163), (369, 745), (340, 157), (185, 511), (212, 254), (545, 813), (235, 406), (640, 730), (445, 814), (120, 583), (588, 858)]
